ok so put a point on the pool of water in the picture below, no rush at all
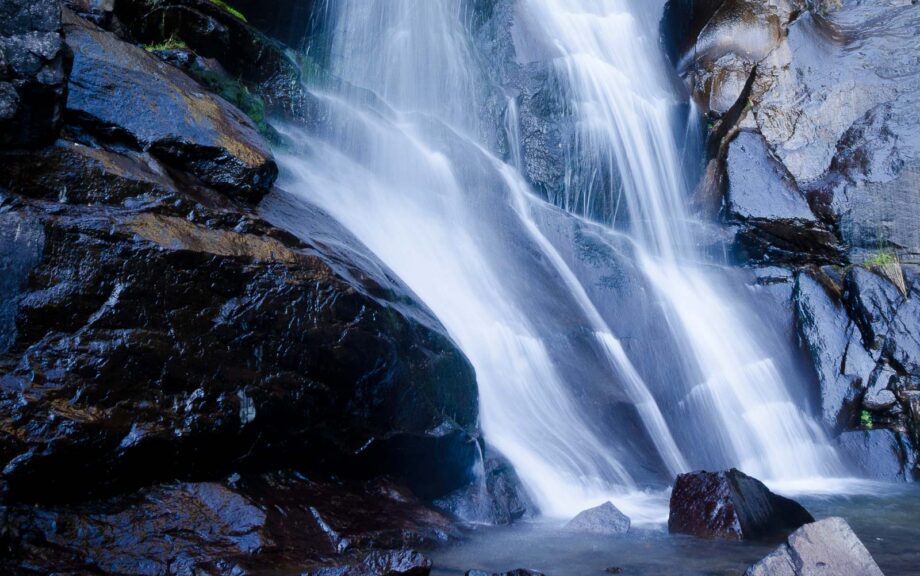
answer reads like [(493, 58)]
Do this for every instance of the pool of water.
[(887, 521)]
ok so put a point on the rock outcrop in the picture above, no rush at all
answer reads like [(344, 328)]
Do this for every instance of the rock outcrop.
[(731, 505), (121, 93), (169, 353), (825, 547), (813, 123), (34, 63)]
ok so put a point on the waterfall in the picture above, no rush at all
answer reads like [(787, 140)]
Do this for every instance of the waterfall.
[(399, 157), (625, 108)]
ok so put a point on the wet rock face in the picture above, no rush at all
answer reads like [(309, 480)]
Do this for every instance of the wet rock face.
[(497, 498), (265, 65), (33, 72), (731, 505), (842, 365), (178, 349), (239, 525), (604, 519), (832, 90), (120, 92), (825, 547), (879, 454), (777, 222)]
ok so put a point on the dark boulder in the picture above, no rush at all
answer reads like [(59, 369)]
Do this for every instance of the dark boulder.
[(151, 346), (122, 94), (731, 505), (776, 221), (34, 63), (604, 519), (238, 525), (825, 547)]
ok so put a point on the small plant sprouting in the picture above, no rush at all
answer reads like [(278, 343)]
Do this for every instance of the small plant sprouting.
[(881, 258), (171, 44), (865, 420)]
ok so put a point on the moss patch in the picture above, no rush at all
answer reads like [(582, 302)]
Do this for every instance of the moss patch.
[(171, 44), (229, 10)]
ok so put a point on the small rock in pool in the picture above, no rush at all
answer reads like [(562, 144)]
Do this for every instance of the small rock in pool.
[(517, 572), (604, 519), (614, 570), (733, 506), (825, 547)]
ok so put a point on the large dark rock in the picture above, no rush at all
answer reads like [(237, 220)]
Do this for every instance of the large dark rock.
[(151, 346), (34, 63), (732, 506), (277, 523), (120, 93), (825, 547), (604, 519)]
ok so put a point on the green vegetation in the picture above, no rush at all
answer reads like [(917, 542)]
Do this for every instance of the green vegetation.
[(236, 93), (865, 419), (882, 258), (171, 44), (229, 9)]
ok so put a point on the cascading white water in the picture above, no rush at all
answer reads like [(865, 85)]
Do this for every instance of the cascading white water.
[(407, 178), (624, 109), (397, 158)]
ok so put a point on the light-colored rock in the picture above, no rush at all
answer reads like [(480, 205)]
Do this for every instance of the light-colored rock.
[(825, 548), (604, 519)]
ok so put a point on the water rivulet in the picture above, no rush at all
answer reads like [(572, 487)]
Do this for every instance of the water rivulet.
[(401, 156)]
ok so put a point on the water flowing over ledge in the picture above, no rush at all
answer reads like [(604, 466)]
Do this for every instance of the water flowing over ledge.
[(400, 161)]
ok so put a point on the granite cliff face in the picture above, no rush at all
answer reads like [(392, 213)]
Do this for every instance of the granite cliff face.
[(813, 117)]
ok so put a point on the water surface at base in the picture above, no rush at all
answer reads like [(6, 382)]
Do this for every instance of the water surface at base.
[(888, 526)]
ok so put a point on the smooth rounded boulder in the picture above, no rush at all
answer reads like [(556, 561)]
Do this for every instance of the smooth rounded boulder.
[(731, 505)]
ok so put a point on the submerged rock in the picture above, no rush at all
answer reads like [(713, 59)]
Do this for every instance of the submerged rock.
[(604, 519), (825, 547), (516, 572), (732, 506)]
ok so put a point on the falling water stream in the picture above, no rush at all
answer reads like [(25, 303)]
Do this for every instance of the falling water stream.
[(400, 159)]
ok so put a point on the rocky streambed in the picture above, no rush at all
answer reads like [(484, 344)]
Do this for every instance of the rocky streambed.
[(199, 375)]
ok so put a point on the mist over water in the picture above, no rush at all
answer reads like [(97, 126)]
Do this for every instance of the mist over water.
[(400, 159)]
